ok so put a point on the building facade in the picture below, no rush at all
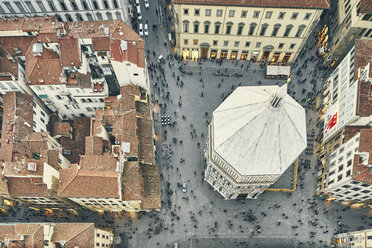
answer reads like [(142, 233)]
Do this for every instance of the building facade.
[(347, 108), (347, 178), (273, 32), (350, 20), (341, 101), (54, 235), (66, 10), (242, 157), (356, 239)]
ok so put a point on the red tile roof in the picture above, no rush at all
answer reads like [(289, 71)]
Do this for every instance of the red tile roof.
[(366, 6), (74, 234), (81, 129), (22, 235), (62, 128), (151, 182), (70, 54), (17, 124), (101, 44), (105, 162), (132, 182), (28, 187), (75, 182), (313, 4), (360, 171), (363, 55)]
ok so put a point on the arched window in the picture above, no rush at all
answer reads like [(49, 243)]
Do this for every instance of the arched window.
[(99, 16), (252, 27), (58, 18), (79, 17), (240, 28), (300, 30), (288, 30), (118, 15), (89, 16), (109, 16), (276, 29), (263, 29), (69, 18)]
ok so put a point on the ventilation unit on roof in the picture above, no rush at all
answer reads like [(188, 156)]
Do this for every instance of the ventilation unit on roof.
[(14, 18), (123, 45), (17, 50), (106, 31), (37, 49), (31, 166), (90, 30)]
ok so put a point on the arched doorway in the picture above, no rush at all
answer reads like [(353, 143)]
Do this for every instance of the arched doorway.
[(267, 50), (204, 50)]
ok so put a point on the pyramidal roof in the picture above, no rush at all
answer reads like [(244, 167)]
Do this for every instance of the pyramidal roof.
[(259, 130)]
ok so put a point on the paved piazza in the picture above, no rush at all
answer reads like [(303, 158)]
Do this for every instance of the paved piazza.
[(200, 217)]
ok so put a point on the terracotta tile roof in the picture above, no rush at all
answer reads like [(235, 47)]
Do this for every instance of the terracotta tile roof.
[(15, 46), (313, 4), (81, 129), (22, 235), (74, 234), (132, 182), (27, 187), (37, 24), (17, 124), (366, 6), (44, 69), (52, 158), (134, 52), (124, 126), (8, 24), (145, 133), (101, 44), (69, 48), (93, 145), (75, 182), (105, 162), (351, 131), (360, 171), (364, 99), (363, 55), (62, 128), (22, 168), (151, 181), (8, 66), (36, 142)]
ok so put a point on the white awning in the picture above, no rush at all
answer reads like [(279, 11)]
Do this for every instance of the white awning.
[(274, 70)]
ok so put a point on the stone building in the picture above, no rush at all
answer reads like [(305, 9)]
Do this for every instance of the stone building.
[(348, 177), (272, 31), (66, 10), (348, 20), (39, 235), (356, 239), (254, 136)]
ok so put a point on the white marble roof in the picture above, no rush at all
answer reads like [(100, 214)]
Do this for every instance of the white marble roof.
[(255, 138)]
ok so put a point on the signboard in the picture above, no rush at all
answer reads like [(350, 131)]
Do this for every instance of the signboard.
[(330, 120)]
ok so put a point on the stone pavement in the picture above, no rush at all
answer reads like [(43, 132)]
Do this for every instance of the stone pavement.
[(200, 217)]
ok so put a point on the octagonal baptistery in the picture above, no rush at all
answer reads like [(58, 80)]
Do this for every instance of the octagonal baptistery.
[(254, 136)]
